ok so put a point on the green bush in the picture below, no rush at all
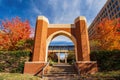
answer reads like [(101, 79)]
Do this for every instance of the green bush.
[(71, 58), (107, 60), (13, 61)]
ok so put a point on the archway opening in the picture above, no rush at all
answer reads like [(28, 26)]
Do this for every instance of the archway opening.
[(61, 50)]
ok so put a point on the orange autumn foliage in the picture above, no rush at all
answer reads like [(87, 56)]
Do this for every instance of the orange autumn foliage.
[(108, 34), (12, 32)]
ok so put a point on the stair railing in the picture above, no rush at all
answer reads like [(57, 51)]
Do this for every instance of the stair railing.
[(43, 71), (78, 70), (39, 71)]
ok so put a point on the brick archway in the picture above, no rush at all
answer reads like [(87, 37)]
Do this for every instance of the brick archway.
[(45, 32), (61, 32)]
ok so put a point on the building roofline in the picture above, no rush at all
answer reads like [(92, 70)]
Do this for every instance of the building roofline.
[(98, 14)]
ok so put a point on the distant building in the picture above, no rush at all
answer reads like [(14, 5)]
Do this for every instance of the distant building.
[(111, 10)]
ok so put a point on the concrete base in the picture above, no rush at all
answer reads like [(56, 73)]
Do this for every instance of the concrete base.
[(33, 67), (87, 67)]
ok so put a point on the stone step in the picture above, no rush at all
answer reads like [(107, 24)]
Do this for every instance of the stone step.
[(62, 78), (54, 69), (63, 72), (61, 64), (63, 68), (58, 72), (58, 75)]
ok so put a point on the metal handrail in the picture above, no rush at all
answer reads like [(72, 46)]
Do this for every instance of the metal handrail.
[(78, 70), (43, 71), (38, 71)]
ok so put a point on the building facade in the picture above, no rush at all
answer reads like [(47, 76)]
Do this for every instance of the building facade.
[(110, 10)]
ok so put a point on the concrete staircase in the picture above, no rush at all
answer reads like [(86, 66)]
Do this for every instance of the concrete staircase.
[(61, 72)]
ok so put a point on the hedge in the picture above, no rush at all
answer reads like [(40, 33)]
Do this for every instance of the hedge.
[(13, 61), (106, 60)]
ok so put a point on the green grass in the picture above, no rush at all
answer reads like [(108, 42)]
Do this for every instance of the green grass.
[(17, 76), (108, 74)]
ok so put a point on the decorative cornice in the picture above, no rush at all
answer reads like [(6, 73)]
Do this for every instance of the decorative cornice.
[(86, 62), (36, 62), (61, 26), (80, 18), (43, 18)]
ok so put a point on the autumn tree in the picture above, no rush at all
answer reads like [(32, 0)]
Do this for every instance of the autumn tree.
[(108, 34), (13, 33)]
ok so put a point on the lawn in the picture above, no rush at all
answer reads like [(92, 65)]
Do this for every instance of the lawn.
[(17, 76), (109, 75)]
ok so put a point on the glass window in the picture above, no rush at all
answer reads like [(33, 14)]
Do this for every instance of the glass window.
[(112, 13), (118, 8), (116, 3), (108, 6), (106, 14), (116, 16), (112, 0), (113, 6), (105, 9), (110, 16), (115, 11)]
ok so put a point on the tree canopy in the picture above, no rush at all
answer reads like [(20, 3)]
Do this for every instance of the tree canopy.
[(13, 32), (108, 34)]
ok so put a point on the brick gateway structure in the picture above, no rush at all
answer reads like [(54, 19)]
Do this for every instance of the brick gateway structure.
[(45, 32)]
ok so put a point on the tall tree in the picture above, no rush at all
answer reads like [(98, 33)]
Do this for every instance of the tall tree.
[(12, 32), (108, 34)]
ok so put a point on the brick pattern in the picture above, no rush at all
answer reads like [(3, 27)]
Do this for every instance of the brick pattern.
[(33, 67), (87, 67), (40, 41), (82, 41)]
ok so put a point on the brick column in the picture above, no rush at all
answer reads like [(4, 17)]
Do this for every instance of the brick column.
[(84, 65), (83, 48), (65, 57), (39, 52), (58, 57)]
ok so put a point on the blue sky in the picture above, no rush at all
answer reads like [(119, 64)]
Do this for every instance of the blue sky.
[(57, 11)]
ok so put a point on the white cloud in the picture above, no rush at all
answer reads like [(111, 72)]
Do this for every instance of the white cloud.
[(35, 8), (20, 1), (94, 6), (65, 11)]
